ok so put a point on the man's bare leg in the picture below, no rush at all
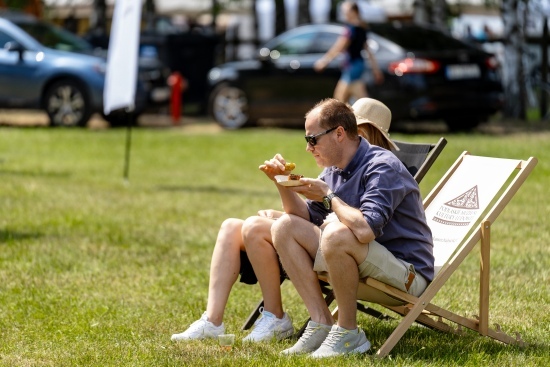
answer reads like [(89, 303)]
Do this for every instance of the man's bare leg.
[(296, 240), (342, 253)]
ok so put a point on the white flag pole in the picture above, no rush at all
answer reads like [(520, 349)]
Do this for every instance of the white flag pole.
[(122, 63)]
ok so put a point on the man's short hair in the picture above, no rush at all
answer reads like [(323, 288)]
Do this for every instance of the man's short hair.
[(333, 113)]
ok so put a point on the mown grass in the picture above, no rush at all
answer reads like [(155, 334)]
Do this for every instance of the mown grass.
[(94, 272)]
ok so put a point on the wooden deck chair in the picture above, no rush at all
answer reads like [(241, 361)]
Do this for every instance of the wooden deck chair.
[(418, 158), (460, 211)]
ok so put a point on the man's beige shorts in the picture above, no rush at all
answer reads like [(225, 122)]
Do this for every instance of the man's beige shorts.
[(382, 265)]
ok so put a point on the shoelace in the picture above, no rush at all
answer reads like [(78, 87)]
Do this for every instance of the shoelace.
[(308, 332), (262, 324), (333, 337)]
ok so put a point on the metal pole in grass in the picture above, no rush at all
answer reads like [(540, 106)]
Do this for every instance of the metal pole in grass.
[(129, 123), (122, 65)]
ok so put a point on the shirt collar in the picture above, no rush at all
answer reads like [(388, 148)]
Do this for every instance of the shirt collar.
[(356, 161)]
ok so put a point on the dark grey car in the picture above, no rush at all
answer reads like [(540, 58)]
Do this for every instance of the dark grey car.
[(428, 75)]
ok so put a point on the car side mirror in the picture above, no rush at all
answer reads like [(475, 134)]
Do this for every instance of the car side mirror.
[(14, 46)]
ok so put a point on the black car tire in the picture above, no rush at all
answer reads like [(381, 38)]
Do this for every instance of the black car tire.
[(229, 106), (67, 104), (463, 123)]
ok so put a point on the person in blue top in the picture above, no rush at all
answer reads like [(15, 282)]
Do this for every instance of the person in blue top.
[(380, 230), (351, 43)]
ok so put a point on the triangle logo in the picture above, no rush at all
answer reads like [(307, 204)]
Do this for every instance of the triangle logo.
[(468, 200), (459, 211)]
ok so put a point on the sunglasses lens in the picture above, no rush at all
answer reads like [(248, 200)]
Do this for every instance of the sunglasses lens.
[(311, 140)]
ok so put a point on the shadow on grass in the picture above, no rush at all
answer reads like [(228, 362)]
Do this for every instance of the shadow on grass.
[(217, 190), (37, 173), (420, 343), (10, 236)]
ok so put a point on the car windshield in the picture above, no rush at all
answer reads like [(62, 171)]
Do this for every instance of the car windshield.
[(55, 37), (417, 38)]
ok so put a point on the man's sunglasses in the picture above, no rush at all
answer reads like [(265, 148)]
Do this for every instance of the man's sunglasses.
[(312, 139)]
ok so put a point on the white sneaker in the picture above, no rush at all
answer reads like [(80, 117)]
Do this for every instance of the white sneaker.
[(311, 339), (269, 326), (200, 329), (342, 341)]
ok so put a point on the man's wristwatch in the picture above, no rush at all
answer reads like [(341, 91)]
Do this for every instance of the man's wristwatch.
[(328, 199)]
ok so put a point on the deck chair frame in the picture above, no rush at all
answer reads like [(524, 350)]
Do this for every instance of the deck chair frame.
[(423, 156), (421, 310)]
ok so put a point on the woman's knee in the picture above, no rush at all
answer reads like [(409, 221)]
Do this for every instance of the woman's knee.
[(230, 233), (255, 229)]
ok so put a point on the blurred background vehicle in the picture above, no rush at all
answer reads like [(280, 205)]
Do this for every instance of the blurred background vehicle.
[(45, 67), (428, 75)]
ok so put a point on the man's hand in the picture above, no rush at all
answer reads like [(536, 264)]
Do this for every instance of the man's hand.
[(270, 213), (313, 189), (273, 167)]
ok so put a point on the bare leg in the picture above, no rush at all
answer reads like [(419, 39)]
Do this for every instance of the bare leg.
[(265, 261), (343, 253), (358, 90), (342, 92), (296, 241), (224, 268)]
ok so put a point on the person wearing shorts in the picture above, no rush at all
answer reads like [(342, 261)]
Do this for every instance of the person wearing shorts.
[(244, 246), (351, 43), (380, 230)]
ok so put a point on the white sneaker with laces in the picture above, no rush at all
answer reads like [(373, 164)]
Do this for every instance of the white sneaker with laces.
[(200, 329), (311, 339), (342, 341), (269, 326)]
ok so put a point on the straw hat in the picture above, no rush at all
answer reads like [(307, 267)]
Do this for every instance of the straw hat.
[(374, 112)]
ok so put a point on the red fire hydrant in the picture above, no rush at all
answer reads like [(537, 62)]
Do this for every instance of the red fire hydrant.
[(178, 84)]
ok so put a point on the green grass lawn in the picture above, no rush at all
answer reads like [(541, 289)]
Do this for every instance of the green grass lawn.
[(94, 272)]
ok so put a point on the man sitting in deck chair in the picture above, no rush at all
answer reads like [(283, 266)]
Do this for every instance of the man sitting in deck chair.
[(253, 234), (381, 231)]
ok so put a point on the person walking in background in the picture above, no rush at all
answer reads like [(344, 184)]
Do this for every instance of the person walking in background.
[(352, 43)]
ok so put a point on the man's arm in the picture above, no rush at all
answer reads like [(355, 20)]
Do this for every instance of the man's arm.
[(292, 202), (353, 219)]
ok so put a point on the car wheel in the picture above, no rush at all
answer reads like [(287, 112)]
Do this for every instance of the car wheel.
[(229, 107), (67, 104), (462, 123)]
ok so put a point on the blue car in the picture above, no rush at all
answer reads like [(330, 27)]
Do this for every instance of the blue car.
[(44, 67)]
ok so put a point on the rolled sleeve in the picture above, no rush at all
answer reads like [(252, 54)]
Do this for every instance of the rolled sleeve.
[(384, 192), (317, 212)]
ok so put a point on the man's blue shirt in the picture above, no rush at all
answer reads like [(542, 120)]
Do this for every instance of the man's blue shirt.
[(379, 185)]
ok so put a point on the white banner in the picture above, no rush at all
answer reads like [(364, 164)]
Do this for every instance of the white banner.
[(463, 199), (122, 57)]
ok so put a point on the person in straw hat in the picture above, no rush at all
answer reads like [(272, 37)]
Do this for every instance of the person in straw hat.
[(373, 122), (245, 245), (381, 231)]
